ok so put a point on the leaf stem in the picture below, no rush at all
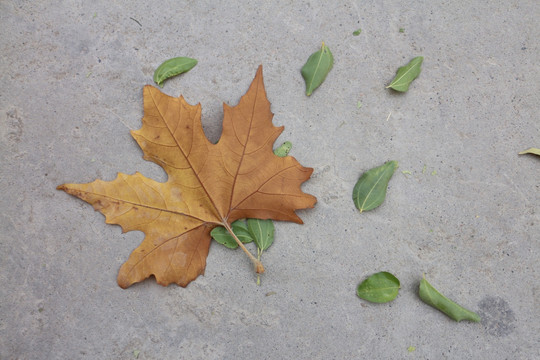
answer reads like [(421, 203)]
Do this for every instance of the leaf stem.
[(259, 268), (259, 253)]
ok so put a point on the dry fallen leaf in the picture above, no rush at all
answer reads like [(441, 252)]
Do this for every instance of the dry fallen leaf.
[(208, 184)]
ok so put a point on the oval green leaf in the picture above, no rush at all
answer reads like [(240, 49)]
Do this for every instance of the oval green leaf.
[(533, 151), (432, 297), (222, 236), (173, 67), (381, 287), (316, 68), (241, 231), (370, 190), (262, 232), (406, 74)]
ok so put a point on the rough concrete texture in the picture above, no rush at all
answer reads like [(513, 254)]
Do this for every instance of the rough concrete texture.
[(467, 215)]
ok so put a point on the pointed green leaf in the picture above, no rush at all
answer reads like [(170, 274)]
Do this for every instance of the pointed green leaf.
[(381, 287), (262, 232), (173, 67), (222, 236), (370, 190), (316, 68), (357, 32), (432, 297), (284, 149), (241, 231), (533, 151), (406, 74)]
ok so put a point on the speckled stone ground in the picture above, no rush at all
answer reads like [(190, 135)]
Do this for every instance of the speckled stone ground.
[(467, 214)]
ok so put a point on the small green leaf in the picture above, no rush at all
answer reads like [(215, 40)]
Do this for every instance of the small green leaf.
[(411, 349), (370, 190), (241, 231), (432, 297), (359, 104), (316, 68), (406, 74), (401, 30), (284, 149), (357, 32), (381, 287), (173, 67), (262, 232), (222, 236), (533, 151)]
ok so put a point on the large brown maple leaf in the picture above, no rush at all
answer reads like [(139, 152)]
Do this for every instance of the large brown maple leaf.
[(208, 184)]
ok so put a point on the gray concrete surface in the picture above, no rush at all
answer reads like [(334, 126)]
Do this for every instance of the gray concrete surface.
[(71, 83)]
